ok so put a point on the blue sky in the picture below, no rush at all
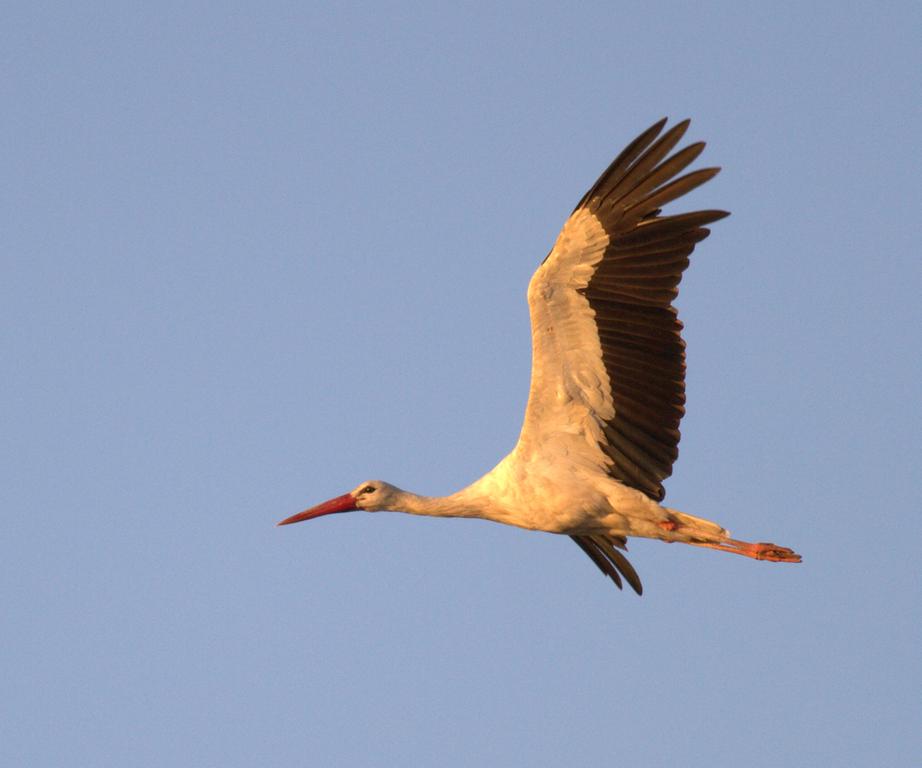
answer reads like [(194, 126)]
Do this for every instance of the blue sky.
[(253, 254)]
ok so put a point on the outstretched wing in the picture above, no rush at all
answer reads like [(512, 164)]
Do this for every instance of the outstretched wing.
[(608, 359)]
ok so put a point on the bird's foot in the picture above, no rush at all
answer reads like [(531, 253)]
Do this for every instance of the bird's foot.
[(758, 551)]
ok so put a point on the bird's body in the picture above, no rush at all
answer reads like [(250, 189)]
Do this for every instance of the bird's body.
[(608, 377)]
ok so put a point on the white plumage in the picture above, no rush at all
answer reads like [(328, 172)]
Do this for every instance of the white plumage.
[(608, 377)]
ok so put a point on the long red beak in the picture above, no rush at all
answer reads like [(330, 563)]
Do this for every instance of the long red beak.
[(344, 503)]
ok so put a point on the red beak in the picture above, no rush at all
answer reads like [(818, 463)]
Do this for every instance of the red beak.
[(344, 503)]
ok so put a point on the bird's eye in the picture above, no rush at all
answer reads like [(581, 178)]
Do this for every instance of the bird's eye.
[(368, 489)]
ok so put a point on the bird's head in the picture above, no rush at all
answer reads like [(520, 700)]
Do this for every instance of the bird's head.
[(371, 496)]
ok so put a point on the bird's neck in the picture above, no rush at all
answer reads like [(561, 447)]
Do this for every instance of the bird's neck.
[(459, 504)]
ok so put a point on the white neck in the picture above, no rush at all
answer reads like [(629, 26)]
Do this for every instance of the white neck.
[(461, 504)]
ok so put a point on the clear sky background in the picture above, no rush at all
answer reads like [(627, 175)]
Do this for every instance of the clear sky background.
[(253, 254)]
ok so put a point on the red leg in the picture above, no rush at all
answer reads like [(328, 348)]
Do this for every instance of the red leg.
[(760, 551)]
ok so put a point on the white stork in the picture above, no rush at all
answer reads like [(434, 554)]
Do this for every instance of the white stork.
[(608, 377)]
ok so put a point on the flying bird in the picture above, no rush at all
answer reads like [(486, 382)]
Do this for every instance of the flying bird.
[(607, 393)]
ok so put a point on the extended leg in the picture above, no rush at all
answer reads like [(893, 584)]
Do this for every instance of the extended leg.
[(758, 551)]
